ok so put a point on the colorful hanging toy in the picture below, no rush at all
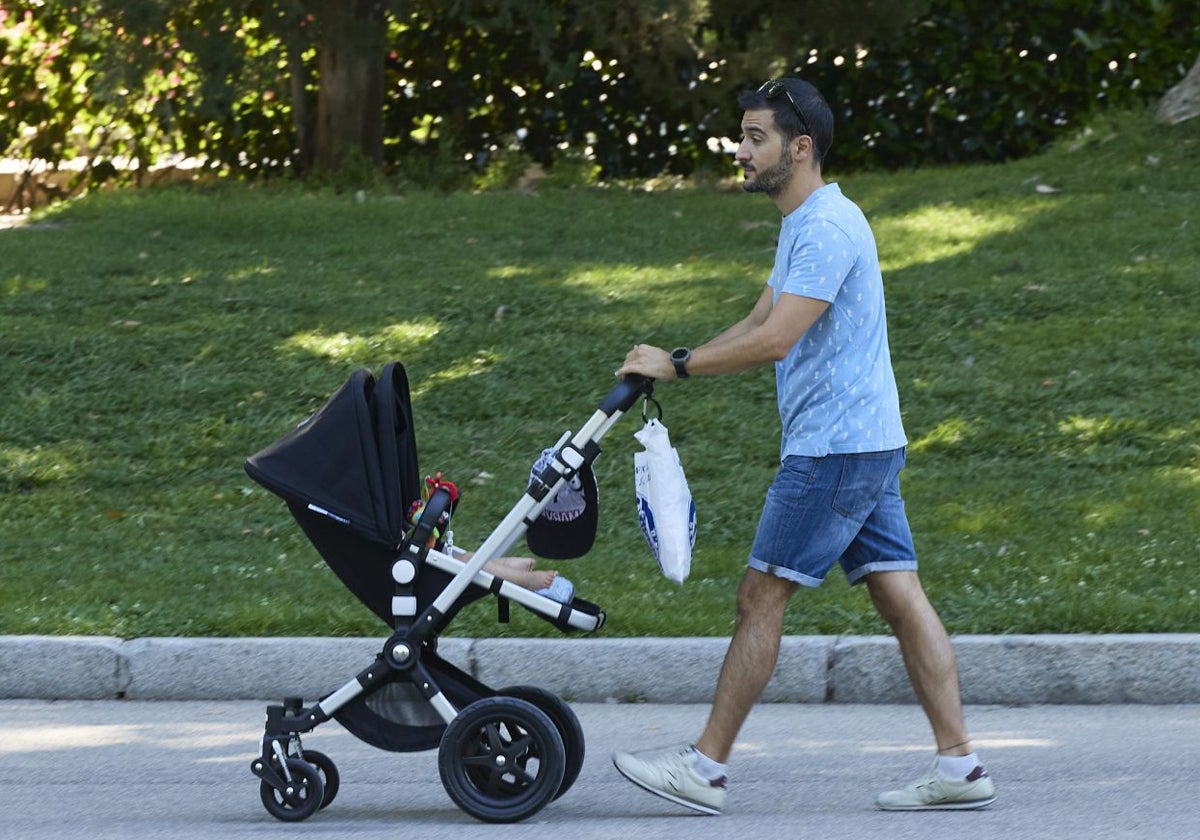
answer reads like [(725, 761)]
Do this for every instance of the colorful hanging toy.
[(432, 485)]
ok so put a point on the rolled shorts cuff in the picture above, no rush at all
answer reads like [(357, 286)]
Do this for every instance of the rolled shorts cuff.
[(783, 572), (860, 574)]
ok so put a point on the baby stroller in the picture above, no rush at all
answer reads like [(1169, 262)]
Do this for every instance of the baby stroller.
[(349, 477)]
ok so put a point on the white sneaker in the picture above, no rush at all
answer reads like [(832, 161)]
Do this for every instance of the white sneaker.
[(935, 792), (669, 774)]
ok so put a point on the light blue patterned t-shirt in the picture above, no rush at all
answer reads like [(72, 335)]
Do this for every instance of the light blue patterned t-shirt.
[(837, 393)]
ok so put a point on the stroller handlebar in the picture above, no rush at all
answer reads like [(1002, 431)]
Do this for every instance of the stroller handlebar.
[(622, 397)]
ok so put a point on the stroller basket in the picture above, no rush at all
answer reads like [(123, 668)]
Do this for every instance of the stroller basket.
[(349, 477)]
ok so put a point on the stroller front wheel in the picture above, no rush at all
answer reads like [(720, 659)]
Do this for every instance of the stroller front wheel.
[(300, 798), (501, 759)]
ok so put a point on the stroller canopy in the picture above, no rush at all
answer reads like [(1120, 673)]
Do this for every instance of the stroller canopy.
[(354, 460)]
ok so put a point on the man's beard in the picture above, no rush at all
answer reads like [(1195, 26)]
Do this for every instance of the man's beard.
[(771, 180)]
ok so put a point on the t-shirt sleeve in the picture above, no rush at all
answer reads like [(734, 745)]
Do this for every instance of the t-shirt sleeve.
[(821, 260)]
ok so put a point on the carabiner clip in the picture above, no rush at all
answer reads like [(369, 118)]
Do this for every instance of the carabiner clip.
[(658, 408)]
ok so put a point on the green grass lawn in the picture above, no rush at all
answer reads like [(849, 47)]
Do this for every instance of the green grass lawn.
[(1044, 324)]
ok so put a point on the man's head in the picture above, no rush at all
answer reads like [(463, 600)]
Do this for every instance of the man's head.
[(794, 119), (799, 109)]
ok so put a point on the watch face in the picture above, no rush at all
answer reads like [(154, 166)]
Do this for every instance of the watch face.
[(680, 357)]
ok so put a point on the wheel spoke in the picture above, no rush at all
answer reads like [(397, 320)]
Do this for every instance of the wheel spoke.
[(521, 774), (521, 746), (495, 780), (494, 739)]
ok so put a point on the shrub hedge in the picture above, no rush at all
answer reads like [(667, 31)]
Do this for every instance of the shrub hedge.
[(968, 80), (977, 81)]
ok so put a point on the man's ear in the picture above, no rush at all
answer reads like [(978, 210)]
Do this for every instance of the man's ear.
[(803, 143)]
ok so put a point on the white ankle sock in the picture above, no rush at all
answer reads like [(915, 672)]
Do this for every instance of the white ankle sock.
[(957, 766), (710, 770)]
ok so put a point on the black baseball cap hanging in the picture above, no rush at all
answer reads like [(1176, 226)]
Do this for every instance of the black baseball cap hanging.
[(566, 528)]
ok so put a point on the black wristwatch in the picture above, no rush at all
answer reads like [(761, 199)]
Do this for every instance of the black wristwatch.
[(680, 356)]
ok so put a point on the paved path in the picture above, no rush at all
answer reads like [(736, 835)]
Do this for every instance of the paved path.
[(125, 769)]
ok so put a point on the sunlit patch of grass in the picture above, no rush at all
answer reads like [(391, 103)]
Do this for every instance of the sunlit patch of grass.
[(40, 466), (393, 340), (937, 232), (949, 433)]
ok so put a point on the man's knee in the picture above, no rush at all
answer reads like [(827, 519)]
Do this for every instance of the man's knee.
[(761, 593), (896, 595)]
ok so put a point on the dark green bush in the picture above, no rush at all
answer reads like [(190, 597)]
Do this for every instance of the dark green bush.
[(967, 81), (546, 79), (983, 81)]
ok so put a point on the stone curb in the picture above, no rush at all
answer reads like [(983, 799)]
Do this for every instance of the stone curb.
[(994, 670)]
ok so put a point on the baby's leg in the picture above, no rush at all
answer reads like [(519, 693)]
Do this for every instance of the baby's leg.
[(520, 564), (521, 572)]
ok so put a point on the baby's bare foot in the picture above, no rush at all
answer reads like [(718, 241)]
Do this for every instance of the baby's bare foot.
[(540, 580)]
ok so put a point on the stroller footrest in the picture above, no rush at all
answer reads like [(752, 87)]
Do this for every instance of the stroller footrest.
[(577, 615)]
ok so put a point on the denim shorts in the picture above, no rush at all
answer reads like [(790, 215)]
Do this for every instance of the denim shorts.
[(835, 509)]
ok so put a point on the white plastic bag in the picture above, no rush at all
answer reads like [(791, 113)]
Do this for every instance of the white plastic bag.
[(665, 508)]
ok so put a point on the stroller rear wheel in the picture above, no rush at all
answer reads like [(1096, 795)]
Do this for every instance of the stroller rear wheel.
[(300, 798), (564, 719), (501, 759)]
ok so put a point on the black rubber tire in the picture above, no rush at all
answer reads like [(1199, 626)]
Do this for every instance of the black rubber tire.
[(564, 719), (303, 797), (330, 778), (501, 759)]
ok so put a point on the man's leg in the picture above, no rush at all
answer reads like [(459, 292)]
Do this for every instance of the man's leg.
[(694, 776), (792, 533), (927, 652), (749, 660), (957, 780)]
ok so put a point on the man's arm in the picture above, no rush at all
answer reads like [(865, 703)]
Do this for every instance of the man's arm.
[(766, 340), (766, 335), (757, 317)]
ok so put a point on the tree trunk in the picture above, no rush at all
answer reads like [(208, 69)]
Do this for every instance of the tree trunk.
[(350, 64), (1182, 102), (302, 118)]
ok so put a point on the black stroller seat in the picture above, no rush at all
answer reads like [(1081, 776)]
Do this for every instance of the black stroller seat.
[(349, 475)]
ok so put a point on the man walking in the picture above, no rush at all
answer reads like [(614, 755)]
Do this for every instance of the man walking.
[(836, 498)]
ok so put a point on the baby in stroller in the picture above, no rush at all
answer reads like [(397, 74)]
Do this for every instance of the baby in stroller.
[(349, 477), (571, 503)]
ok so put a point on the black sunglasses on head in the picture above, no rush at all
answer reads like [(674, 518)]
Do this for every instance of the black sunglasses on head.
[(772, 88)]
